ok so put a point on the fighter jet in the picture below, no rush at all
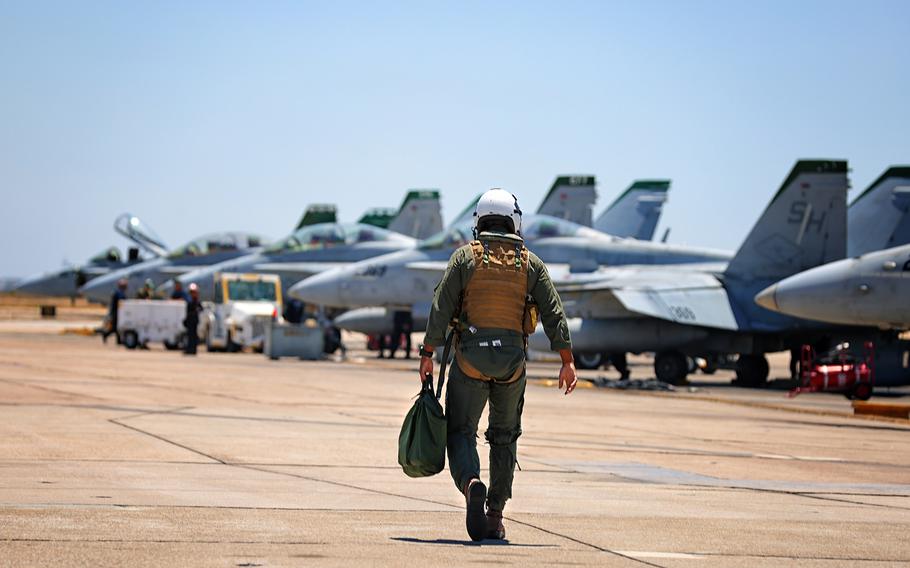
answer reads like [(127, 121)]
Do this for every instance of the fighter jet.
[(871, 287), (406, 280), (635, 213), (308, 251), (202, 251), (65, 283), (702, 310)]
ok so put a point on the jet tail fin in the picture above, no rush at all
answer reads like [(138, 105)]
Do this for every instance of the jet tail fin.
[(636, 212), (878, 218), (804, 225), (134, 229), (467, 213), (571, 198), (420, 214), (317, 213), (378, 217)]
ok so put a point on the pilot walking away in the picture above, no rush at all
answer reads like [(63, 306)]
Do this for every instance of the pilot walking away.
[(191, 322), (491, 292)]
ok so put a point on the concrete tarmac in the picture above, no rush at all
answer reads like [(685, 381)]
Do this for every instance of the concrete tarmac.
[(111, 457)]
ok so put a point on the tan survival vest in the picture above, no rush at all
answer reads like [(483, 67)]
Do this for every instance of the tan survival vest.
[(496, 295)]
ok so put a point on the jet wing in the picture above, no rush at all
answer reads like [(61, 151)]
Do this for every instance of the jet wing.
[(689, 298)]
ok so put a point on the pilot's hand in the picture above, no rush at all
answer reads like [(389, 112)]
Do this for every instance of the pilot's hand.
[(426, 368), (568, 378)]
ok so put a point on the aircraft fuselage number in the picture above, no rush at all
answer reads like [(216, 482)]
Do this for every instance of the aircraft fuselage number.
[(682, 313), (373, 271)]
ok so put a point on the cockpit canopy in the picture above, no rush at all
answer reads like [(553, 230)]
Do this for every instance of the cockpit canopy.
[(542, 227), (110, 255), (324, 235), (218, 242)]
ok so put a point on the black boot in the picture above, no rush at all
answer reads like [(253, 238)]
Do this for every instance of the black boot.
[(476, 518)]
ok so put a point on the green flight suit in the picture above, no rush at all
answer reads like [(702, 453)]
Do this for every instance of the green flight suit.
[(466, 396)]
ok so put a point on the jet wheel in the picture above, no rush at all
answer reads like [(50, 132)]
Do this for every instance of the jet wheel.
[(588, 360), (671, 367), (752, 370)]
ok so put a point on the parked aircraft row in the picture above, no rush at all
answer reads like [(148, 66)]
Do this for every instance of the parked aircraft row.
[(677, 302), (317, 244), (624, 291)]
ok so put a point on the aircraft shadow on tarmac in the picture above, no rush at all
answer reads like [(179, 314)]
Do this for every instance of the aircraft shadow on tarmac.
[(453, 542)]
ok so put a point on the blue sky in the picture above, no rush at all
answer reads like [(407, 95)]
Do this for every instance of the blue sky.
[(207, 116)]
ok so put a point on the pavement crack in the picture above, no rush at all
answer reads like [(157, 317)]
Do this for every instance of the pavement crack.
[(582, 542), (167, 441)]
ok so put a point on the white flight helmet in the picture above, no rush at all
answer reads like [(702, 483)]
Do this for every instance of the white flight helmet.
[(498, 202)]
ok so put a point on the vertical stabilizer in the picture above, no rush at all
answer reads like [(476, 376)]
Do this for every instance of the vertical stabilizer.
[(804, 225), (636, 212), (420, 214), (317, 213), (878, 218), (571, 198), (378, 217), (467, 213)]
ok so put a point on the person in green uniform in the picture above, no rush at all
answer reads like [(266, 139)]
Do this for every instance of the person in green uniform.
[(492, 293)]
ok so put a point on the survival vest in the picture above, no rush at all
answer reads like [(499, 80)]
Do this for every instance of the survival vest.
[(496, 297), (497, 291)]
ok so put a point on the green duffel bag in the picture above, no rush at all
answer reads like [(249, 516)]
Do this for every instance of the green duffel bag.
[(422, 442)]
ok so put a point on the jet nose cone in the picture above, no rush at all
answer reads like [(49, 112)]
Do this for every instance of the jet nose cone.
[(29, 285), (320, 289), (767, 298)]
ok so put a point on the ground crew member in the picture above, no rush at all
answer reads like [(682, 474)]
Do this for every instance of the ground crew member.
[(621, 364), (492, 285), (403, 324), (147, 291), (178, 292), (191, 322), (114, 308)]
